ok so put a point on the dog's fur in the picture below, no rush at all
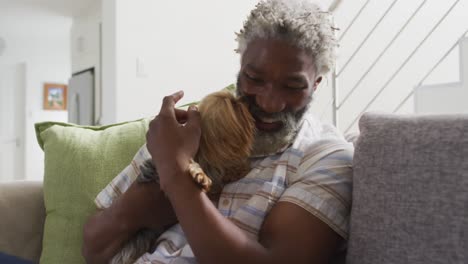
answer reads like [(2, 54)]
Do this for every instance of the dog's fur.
[(228, 131)]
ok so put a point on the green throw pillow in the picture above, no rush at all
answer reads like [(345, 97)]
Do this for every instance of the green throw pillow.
[(79, 162)]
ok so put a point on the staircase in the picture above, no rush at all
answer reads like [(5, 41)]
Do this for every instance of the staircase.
[(400, 56)]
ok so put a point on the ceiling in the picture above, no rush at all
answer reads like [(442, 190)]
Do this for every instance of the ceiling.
[(59, 7), (74, 7)]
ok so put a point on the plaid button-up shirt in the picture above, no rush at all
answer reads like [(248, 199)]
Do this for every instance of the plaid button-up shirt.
[(315, 173)]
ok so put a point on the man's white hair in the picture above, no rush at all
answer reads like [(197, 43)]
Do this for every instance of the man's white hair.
[(299, 22)]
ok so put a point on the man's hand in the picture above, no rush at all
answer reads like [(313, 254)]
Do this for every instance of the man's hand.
[(173, 139), (107, 231)]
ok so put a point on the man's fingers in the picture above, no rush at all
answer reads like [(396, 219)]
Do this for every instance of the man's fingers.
[(193, 117), (181, 115), (169, 103)]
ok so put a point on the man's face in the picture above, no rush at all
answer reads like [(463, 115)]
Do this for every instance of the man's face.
[(277, 80)]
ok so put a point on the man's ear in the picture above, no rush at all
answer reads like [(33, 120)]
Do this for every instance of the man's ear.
[(317, 82)]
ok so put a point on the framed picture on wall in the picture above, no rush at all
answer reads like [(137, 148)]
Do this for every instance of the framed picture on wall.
[(55, 96)]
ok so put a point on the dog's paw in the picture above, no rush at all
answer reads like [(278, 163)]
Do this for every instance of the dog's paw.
[(199, 176)]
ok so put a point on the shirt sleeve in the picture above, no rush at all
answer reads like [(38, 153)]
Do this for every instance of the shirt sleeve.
[(123, 180), (323, 185)]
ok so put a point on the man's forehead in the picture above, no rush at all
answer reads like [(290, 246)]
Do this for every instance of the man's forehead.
[(291, 75), (260, 54)]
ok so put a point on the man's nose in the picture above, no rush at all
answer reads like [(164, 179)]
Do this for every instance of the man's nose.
[(270, 100)]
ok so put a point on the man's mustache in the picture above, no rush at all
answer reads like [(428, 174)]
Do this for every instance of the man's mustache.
[(258, 113)]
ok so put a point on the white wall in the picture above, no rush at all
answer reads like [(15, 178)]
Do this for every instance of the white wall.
[(109, 62), (41, 40), (86, 47), (188, 45), (185, 45)]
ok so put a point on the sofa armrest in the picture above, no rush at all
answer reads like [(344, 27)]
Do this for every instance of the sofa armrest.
[(410, 182), (22, 219)]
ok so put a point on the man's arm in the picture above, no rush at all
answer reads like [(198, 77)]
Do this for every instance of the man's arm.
[(212, 237), (294, 235), (290, 234), (107, 231)]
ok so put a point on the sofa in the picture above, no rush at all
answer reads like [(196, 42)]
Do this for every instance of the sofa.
[(409, 205)]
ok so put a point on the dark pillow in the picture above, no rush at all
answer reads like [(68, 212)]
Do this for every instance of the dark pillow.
[(8, 259)]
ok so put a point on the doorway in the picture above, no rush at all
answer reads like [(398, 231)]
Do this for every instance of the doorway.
[(12, 121)]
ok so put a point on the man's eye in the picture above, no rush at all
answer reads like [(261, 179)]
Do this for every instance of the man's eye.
[(296, 87), (257, 80)]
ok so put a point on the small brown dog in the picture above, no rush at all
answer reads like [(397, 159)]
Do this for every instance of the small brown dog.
[(228, 132)]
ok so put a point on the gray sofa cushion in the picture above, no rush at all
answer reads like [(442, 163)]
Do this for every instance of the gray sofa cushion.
[(22, 216), (410, 190)]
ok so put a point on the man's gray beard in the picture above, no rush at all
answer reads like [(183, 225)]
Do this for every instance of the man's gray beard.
[(267, 143)]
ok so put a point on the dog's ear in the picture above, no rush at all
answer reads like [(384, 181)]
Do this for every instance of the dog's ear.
[(228, 130)]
